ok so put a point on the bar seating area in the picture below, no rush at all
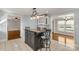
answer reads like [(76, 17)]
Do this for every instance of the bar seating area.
[(45, 40)]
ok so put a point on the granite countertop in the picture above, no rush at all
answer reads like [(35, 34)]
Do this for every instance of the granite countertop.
[(35, 30)]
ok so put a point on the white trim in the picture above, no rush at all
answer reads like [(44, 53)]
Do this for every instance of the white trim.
[(2, 21)]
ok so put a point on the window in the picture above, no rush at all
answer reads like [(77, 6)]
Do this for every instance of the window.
[(60, 25), (70, 25), (65, 25)]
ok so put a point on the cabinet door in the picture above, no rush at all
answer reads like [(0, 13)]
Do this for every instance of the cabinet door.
[(37, 41), (26, 36), (13, 34), (29, 38), (32, 40)]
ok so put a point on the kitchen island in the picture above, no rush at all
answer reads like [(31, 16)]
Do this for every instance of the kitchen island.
[(32, 38)]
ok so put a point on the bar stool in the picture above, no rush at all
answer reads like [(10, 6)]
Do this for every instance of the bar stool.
[(45, 40)]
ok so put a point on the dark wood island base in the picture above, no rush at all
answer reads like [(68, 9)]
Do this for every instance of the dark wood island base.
[(32, 38)]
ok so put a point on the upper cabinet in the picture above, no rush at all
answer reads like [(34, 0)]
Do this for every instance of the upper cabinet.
[(43, 22)]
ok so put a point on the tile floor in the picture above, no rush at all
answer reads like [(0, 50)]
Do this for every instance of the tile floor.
[(19, 45)]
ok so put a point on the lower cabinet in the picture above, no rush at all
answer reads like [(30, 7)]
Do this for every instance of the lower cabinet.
[(32, 39), (13, 34)]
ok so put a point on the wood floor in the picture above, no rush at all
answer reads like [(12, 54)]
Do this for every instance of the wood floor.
[(19, 45)]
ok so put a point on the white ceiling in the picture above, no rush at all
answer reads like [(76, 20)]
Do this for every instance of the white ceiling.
[(28, 11)]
